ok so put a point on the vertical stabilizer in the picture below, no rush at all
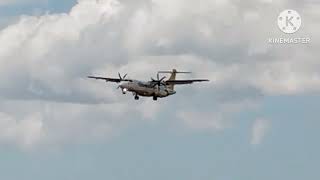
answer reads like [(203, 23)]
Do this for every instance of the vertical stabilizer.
[(172, 78), (173, 73)]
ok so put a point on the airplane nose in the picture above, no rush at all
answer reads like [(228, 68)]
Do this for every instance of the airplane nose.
[(123, 86)]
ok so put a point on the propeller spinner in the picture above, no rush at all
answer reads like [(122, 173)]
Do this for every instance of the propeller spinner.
[(159, 81)]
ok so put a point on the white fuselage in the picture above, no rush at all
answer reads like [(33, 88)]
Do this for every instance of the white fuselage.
[(146, 89)]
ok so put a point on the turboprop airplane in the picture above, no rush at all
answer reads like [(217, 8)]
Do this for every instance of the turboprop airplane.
[(156, 88)]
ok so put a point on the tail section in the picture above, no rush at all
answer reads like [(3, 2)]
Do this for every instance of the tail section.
[(172, 77)]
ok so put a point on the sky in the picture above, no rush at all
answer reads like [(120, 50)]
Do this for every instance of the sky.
[(257, 118)]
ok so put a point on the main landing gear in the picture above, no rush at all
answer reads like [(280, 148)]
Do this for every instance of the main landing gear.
[(136, 97), (155, 98)]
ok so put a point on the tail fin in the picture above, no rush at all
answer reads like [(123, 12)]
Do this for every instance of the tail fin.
[(172, 77)]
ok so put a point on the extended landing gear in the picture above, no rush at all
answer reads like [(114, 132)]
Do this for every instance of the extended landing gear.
[(136, 97), (155, 98)]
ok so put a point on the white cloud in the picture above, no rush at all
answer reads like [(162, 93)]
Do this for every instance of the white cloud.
[(26, 132), (202, 120), (259, 131), (215, 118)]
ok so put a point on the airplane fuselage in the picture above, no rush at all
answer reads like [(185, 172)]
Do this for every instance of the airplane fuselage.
[(146, 89)]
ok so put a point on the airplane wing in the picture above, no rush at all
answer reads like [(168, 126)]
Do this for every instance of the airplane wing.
[(181, 82), (117, 80)]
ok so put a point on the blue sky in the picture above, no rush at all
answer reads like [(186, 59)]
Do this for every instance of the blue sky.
[(256, 120), (29, 8), (11, 12)]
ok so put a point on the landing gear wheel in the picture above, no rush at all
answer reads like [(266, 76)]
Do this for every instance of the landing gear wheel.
[(136, 97), (155, 98)]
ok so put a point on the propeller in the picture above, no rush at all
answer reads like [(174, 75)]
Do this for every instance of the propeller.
[(122, 78), (158, 82)]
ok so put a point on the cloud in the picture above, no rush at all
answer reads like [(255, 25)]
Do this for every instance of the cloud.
[(216, 118), (44, 61), (259, 131), (202, 121), (26, 132), (38, 51)]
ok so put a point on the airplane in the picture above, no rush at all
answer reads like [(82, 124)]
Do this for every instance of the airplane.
[(156, 88)]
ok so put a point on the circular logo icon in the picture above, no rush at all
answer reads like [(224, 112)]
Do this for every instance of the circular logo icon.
[(289, 21)]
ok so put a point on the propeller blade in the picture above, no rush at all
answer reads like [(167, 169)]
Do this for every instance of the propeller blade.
[(158, 82), (162, 79)]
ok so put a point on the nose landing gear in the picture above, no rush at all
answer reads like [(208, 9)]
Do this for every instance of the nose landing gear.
[(136, 97)]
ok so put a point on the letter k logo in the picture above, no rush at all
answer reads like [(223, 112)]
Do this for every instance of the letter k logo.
[(289, 21)]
